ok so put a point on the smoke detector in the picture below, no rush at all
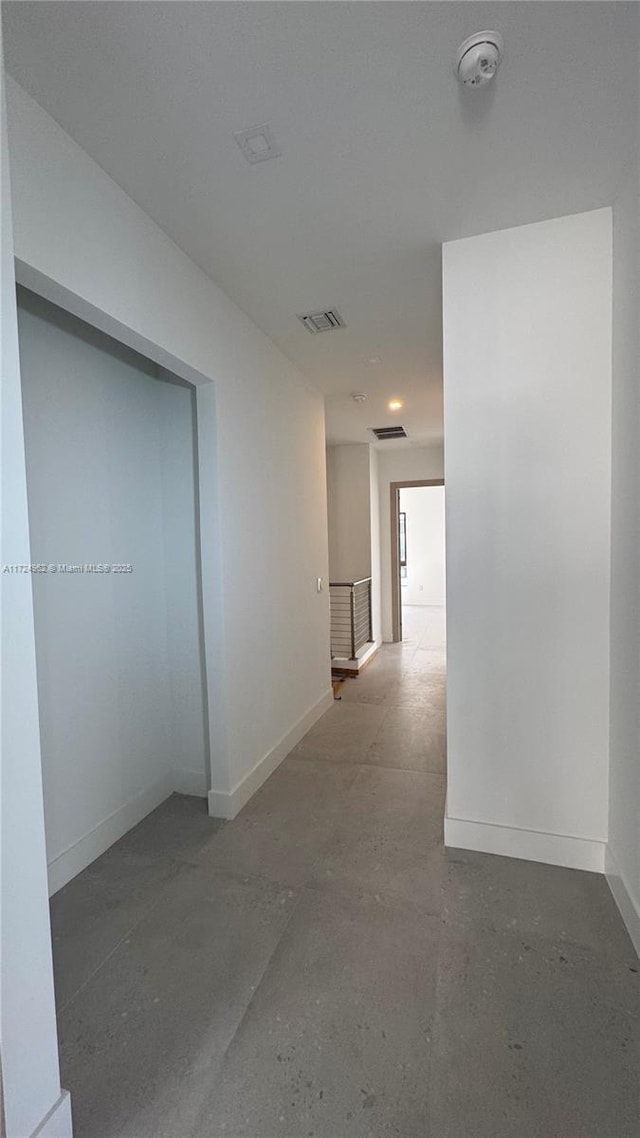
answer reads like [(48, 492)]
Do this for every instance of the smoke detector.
[(478, 58), (358, 396)]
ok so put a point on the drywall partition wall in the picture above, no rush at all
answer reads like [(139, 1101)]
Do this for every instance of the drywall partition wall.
[(374, 500), (349, 511), (527, 384), (189, 738), (354, 519), (404, 464), (424, 583), (623, 853), (110, 479), (28, 1040), (268, 498)]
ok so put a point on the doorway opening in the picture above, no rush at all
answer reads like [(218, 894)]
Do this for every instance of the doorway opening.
[(113, 493), (418, 561)]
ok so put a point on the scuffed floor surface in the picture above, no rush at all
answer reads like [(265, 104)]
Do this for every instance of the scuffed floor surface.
[(322, 968)]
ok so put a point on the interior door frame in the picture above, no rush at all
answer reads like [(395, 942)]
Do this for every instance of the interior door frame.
[(396, 605)]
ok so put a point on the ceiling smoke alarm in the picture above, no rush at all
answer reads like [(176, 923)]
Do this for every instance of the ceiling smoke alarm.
[(358, 396), (478, 59)]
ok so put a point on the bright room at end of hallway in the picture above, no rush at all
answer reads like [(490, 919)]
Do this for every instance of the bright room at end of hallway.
[(421, 564)]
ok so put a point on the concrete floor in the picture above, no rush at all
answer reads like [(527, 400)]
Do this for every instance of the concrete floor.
[(322, 968)]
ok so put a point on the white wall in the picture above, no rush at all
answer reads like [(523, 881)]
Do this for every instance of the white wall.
[(527, 339), (28, 1040), (424, 583), (349, 511), (79, 237), (404, 464), (354, 519), (81, 242), (623, 862), (110, 478), (188, 761), (374, 503)]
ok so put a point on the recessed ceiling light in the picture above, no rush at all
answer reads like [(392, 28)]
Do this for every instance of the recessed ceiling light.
[(395, 404), (257, 143)]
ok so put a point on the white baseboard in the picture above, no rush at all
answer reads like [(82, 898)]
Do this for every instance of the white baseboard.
[(628, 905), (530, 845), (186, 781), (81, 853), (423, 604), (57, 1123), (361, 660), (227, 804)]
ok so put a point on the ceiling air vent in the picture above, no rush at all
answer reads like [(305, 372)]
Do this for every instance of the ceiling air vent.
[(325, 321), (383, 433)]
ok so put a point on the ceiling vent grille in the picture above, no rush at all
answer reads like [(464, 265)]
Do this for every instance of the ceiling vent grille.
[(383, 433), (326, 321)]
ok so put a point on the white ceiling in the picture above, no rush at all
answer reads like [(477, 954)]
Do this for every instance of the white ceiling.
[(383, 156)]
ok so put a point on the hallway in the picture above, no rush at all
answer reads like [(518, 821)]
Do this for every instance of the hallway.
[(322, 968)]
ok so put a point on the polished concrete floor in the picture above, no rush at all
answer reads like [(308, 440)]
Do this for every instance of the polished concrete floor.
[(322, 968)]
